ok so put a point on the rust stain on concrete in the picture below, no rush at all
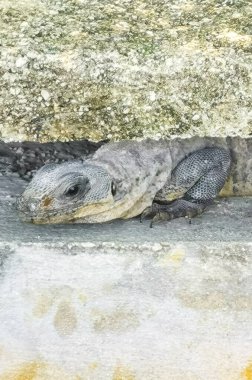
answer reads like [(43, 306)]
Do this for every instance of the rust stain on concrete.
[(247, 373), (39, 370), (65, 320), (29, 371), (117, 320), (214, 300), (123, 373), (174, 257)]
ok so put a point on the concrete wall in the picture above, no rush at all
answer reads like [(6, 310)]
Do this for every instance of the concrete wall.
[(121, 301), (181, 312)]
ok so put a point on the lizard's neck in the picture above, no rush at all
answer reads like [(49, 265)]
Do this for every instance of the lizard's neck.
[(139, 170)]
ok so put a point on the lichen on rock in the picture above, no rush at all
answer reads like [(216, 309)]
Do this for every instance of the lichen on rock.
[(125, 69)]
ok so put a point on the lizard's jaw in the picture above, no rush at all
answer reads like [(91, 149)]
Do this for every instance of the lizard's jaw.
[(124, 208), (37, 214), (46, 211), (93, 213)]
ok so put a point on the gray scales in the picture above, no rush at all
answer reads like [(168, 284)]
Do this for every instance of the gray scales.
[(162, 179)]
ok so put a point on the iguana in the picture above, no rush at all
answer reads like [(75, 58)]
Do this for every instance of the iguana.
[(162, 179)]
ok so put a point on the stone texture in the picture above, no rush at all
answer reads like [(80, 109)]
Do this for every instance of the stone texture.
[(124, 69), (182, 312), (121, 301)]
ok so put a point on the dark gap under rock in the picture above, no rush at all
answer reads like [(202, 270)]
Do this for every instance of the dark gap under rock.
[(25, 158)]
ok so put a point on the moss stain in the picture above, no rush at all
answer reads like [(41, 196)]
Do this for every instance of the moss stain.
[(42, 305)]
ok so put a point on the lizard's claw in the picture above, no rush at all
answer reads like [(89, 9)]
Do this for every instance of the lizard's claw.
[(150, 212), (161, 216), (177, 209), (147, 212), (157, 213)]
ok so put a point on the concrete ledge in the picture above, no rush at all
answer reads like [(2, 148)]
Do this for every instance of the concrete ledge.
[(120, 301), (229, 220)]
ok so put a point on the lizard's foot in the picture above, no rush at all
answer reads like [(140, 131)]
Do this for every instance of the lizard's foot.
[(178, 208)]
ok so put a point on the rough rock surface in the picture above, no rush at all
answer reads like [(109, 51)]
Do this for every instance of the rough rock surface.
[(124, 69)]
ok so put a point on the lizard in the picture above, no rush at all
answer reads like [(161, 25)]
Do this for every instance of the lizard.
[(162, 179)]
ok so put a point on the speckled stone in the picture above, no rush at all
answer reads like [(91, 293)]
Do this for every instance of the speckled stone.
[(124, 69)]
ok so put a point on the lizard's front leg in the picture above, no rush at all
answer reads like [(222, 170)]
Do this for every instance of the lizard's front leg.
[(178, 208), (197, 180)]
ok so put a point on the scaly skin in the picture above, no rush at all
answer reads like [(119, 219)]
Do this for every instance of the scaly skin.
[(122, 180)]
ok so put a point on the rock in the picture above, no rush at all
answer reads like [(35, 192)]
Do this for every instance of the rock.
[(21, 61), (45, 95), (141, 69)]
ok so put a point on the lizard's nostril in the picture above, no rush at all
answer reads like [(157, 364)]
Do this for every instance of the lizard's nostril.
[(24, 207)]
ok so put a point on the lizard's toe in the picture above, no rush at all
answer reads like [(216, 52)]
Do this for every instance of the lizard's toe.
[(177, 209), (151, 211), (161, 216), (148, 212)]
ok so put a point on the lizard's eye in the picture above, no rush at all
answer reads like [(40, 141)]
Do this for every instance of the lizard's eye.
[(113, 188), (74, 185), (72, 191)]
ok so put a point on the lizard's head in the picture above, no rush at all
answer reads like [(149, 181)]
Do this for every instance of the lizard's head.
[(67, 192)]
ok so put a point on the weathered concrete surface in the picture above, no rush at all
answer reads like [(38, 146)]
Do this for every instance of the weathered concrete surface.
[(229, 220), (124, 69), (120, 301)]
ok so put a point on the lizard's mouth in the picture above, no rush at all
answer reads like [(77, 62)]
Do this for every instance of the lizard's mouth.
[(39, 217), (42, 218), (34, 214)]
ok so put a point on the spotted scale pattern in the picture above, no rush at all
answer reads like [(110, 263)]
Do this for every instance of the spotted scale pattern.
[(203, 173)]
